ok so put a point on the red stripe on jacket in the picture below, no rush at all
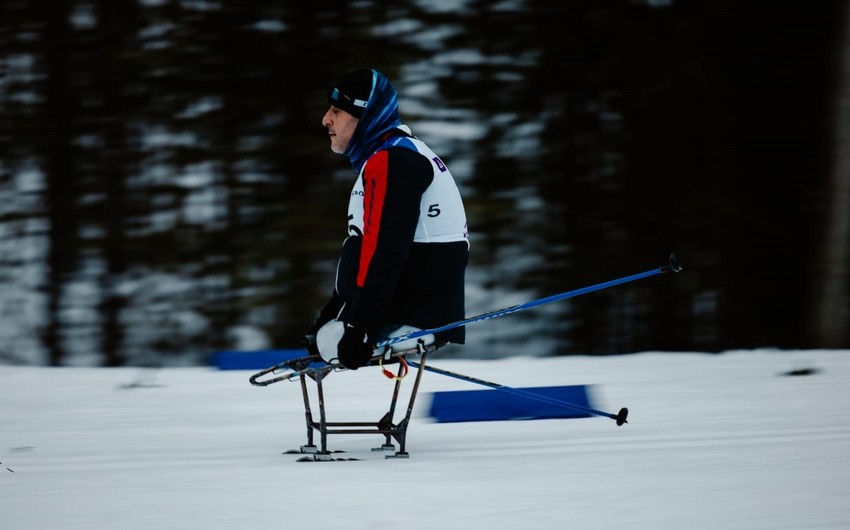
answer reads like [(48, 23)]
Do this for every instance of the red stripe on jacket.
[(374, 193)]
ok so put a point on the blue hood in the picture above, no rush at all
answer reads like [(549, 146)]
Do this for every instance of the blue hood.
[(379, 117)]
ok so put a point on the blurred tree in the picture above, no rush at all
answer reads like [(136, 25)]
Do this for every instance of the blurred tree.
[(673, 125), (55, 140), (112, 109), (830, 320), (176, 175)]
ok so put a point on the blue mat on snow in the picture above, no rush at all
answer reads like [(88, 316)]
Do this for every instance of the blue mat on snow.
[(252, 360), (495, 405)]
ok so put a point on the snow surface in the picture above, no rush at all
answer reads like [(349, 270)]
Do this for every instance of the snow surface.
[(714, 441)]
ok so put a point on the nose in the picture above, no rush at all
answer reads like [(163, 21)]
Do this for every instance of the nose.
[(326, 119)]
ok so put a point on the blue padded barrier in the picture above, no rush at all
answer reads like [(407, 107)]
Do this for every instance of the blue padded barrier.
[(494, 405), (252, 360)]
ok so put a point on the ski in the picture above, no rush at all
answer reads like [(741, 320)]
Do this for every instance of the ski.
[(312, 454)]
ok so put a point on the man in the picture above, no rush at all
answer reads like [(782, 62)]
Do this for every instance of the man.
[(404, 260)]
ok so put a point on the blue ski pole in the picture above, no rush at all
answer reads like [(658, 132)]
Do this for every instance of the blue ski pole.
[(620, 417), (671, 266)]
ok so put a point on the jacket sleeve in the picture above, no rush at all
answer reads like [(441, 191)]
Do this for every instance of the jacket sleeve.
[(394, 181), (328, 313)]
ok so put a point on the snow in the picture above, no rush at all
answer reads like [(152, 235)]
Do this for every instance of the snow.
[(714, 441)]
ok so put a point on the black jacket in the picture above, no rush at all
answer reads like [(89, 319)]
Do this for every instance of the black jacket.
[(405, 258)]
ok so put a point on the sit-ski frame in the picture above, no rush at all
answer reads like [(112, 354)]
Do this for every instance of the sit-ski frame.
[(384, 426)]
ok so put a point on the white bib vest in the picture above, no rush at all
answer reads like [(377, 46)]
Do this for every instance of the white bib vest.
[(442, 218)]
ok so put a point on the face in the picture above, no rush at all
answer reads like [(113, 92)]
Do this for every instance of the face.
[(340, 125)]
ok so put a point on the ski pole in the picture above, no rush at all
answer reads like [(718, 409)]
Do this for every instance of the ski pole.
[(671, 266), (620, 417)]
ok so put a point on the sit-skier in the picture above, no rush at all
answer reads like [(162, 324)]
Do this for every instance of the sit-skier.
[(403, 263)]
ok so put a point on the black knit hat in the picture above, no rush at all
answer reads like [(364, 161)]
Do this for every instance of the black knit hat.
[(352, 91)]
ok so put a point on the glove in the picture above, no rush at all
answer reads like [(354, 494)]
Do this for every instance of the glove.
[(354, 350)]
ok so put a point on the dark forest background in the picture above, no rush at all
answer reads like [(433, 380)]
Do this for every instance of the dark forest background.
[(167, 188)]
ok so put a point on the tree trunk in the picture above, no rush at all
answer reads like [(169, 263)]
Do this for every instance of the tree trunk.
[(57, 154), (831, 312), (117, 26)]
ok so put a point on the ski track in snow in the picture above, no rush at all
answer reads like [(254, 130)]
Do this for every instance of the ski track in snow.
[(713, 441)]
